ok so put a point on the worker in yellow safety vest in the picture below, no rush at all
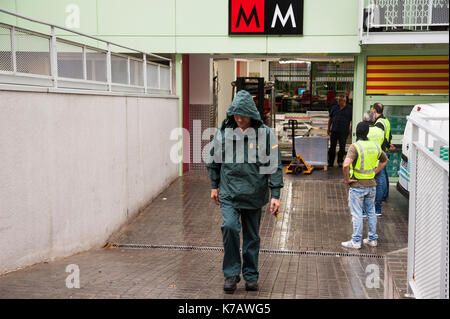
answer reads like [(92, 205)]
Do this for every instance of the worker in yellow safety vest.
[(376, 134), (364, 160), (382, 179), (383, 123)]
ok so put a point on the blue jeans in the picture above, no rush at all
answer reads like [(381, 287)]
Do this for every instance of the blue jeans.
[(359, 199), (386, 192), (382, 187)]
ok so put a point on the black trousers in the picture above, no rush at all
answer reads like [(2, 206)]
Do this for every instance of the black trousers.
[(336, 137)]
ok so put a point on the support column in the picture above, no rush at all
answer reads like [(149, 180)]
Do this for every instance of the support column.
[(178, 91), (186, 102), (359, 88)]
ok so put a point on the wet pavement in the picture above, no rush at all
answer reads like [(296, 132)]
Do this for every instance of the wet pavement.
[(173, 249), (314, 217)]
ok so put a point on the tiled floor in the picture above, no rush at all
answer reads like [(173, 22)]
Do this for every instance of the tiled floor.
[(314, 217), (154, 273), (301, 255)]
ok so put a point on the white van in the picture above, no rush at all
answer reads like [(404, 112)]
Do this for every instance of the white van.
[(421, 111)]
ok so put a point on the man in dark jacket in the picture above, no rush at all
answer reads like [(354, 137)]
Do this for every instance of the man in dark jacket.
[(382, 178), (339, 126), (244, 163)]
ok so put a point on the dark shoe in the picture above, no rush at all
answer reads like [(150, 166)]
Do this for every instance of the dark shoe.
[(230, 283), (251, 285)]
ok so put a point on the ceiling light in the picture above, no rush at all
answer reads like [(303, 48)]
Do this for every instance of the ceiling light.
[(291, 61)]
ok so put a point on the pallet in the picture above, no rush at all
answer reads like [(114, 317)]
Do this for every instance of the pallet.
[(325, 167)]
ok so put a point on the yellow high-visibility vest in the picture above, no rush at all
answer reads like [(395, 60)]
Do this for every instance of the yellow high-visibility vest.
[(376, 134), (386, 125), (369, 153)]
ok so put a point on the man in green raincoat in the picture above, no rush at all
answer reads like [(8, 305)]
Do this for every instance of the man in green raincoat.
[(244, 163)]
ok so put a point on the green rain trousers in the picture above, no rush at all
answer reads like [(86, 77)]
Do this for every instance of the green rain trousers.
[(231, 228)]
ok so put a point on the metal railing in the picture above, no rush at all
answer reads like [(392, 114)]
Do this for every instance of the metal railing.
[(44, 59), (428, 241), (402, 15)]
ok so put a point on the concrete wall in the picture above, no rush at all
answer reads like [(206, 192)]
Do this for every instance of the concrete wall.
[(75, 167)]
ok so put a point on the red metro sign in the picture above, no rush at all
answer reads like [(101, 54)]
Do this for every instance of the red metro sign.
[(265, 17)]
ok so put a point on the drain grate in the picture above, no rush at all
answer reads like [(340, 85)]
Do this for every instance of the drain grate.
[(261, 251)]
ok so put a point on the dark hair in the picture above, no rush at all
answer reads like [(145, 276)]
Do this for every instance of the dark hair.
[(361, 137), (378, 107), (362, 129)]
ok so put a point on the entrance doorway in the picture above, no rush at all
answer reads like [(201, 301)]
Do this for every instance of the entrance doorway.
[(296, 88), (304, 90)]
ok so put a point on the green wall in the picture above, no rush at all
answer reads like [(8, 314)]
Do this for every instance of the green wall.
[(195, 26)]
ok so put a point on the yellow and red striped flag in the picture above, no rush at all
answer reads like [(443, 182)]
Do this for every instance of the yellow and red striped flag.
[(407, 75)]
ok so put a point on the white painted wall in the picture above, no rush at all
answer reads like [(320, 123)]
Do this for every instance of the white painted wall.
[(75, 167), (265, 70), (261, 67), (226, 73)]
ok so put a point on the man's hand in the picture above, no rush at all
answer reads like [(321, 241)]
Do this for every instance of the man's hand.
[(346, 171), (215, 196), (392, 147), (274, 205)]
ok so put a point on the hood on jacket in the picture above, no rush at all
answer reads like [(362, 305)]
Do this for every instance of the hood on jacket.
[(242, 105)]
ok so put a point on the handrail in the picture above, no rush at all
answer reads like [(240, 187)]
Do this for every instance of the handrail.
[(134, 77), (376, 17), (374, 5), (80, 33), (427, 129)]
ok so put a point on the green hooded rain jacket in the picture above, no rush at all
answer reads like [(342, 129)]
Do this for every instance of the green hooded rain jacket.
[(245, 174)]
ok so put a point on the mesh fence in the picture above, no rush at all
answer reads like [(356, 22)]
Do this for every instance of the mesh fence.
[(119, 69), (96, 65), (5, 50), (446, 248), (136, 72), (152, 76), (165, 78), (32, 53), (420, 13), (70, 60), (431, 231), (440, 12), (42, 53)]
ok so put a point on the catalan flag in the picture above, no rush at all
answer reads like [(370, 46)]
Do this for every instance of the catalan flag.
[(407, 75)]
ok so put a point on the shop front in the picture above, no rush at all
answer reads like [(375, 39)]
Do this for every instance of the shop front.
[(307, 53)]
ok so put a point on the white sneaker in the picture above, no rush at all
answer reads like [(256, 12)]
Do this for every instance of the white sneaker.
[(372, 243), (351, 244)]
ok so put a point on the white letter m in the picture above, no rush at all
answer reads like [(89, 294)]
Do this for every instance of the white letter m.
[(289, 14)]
